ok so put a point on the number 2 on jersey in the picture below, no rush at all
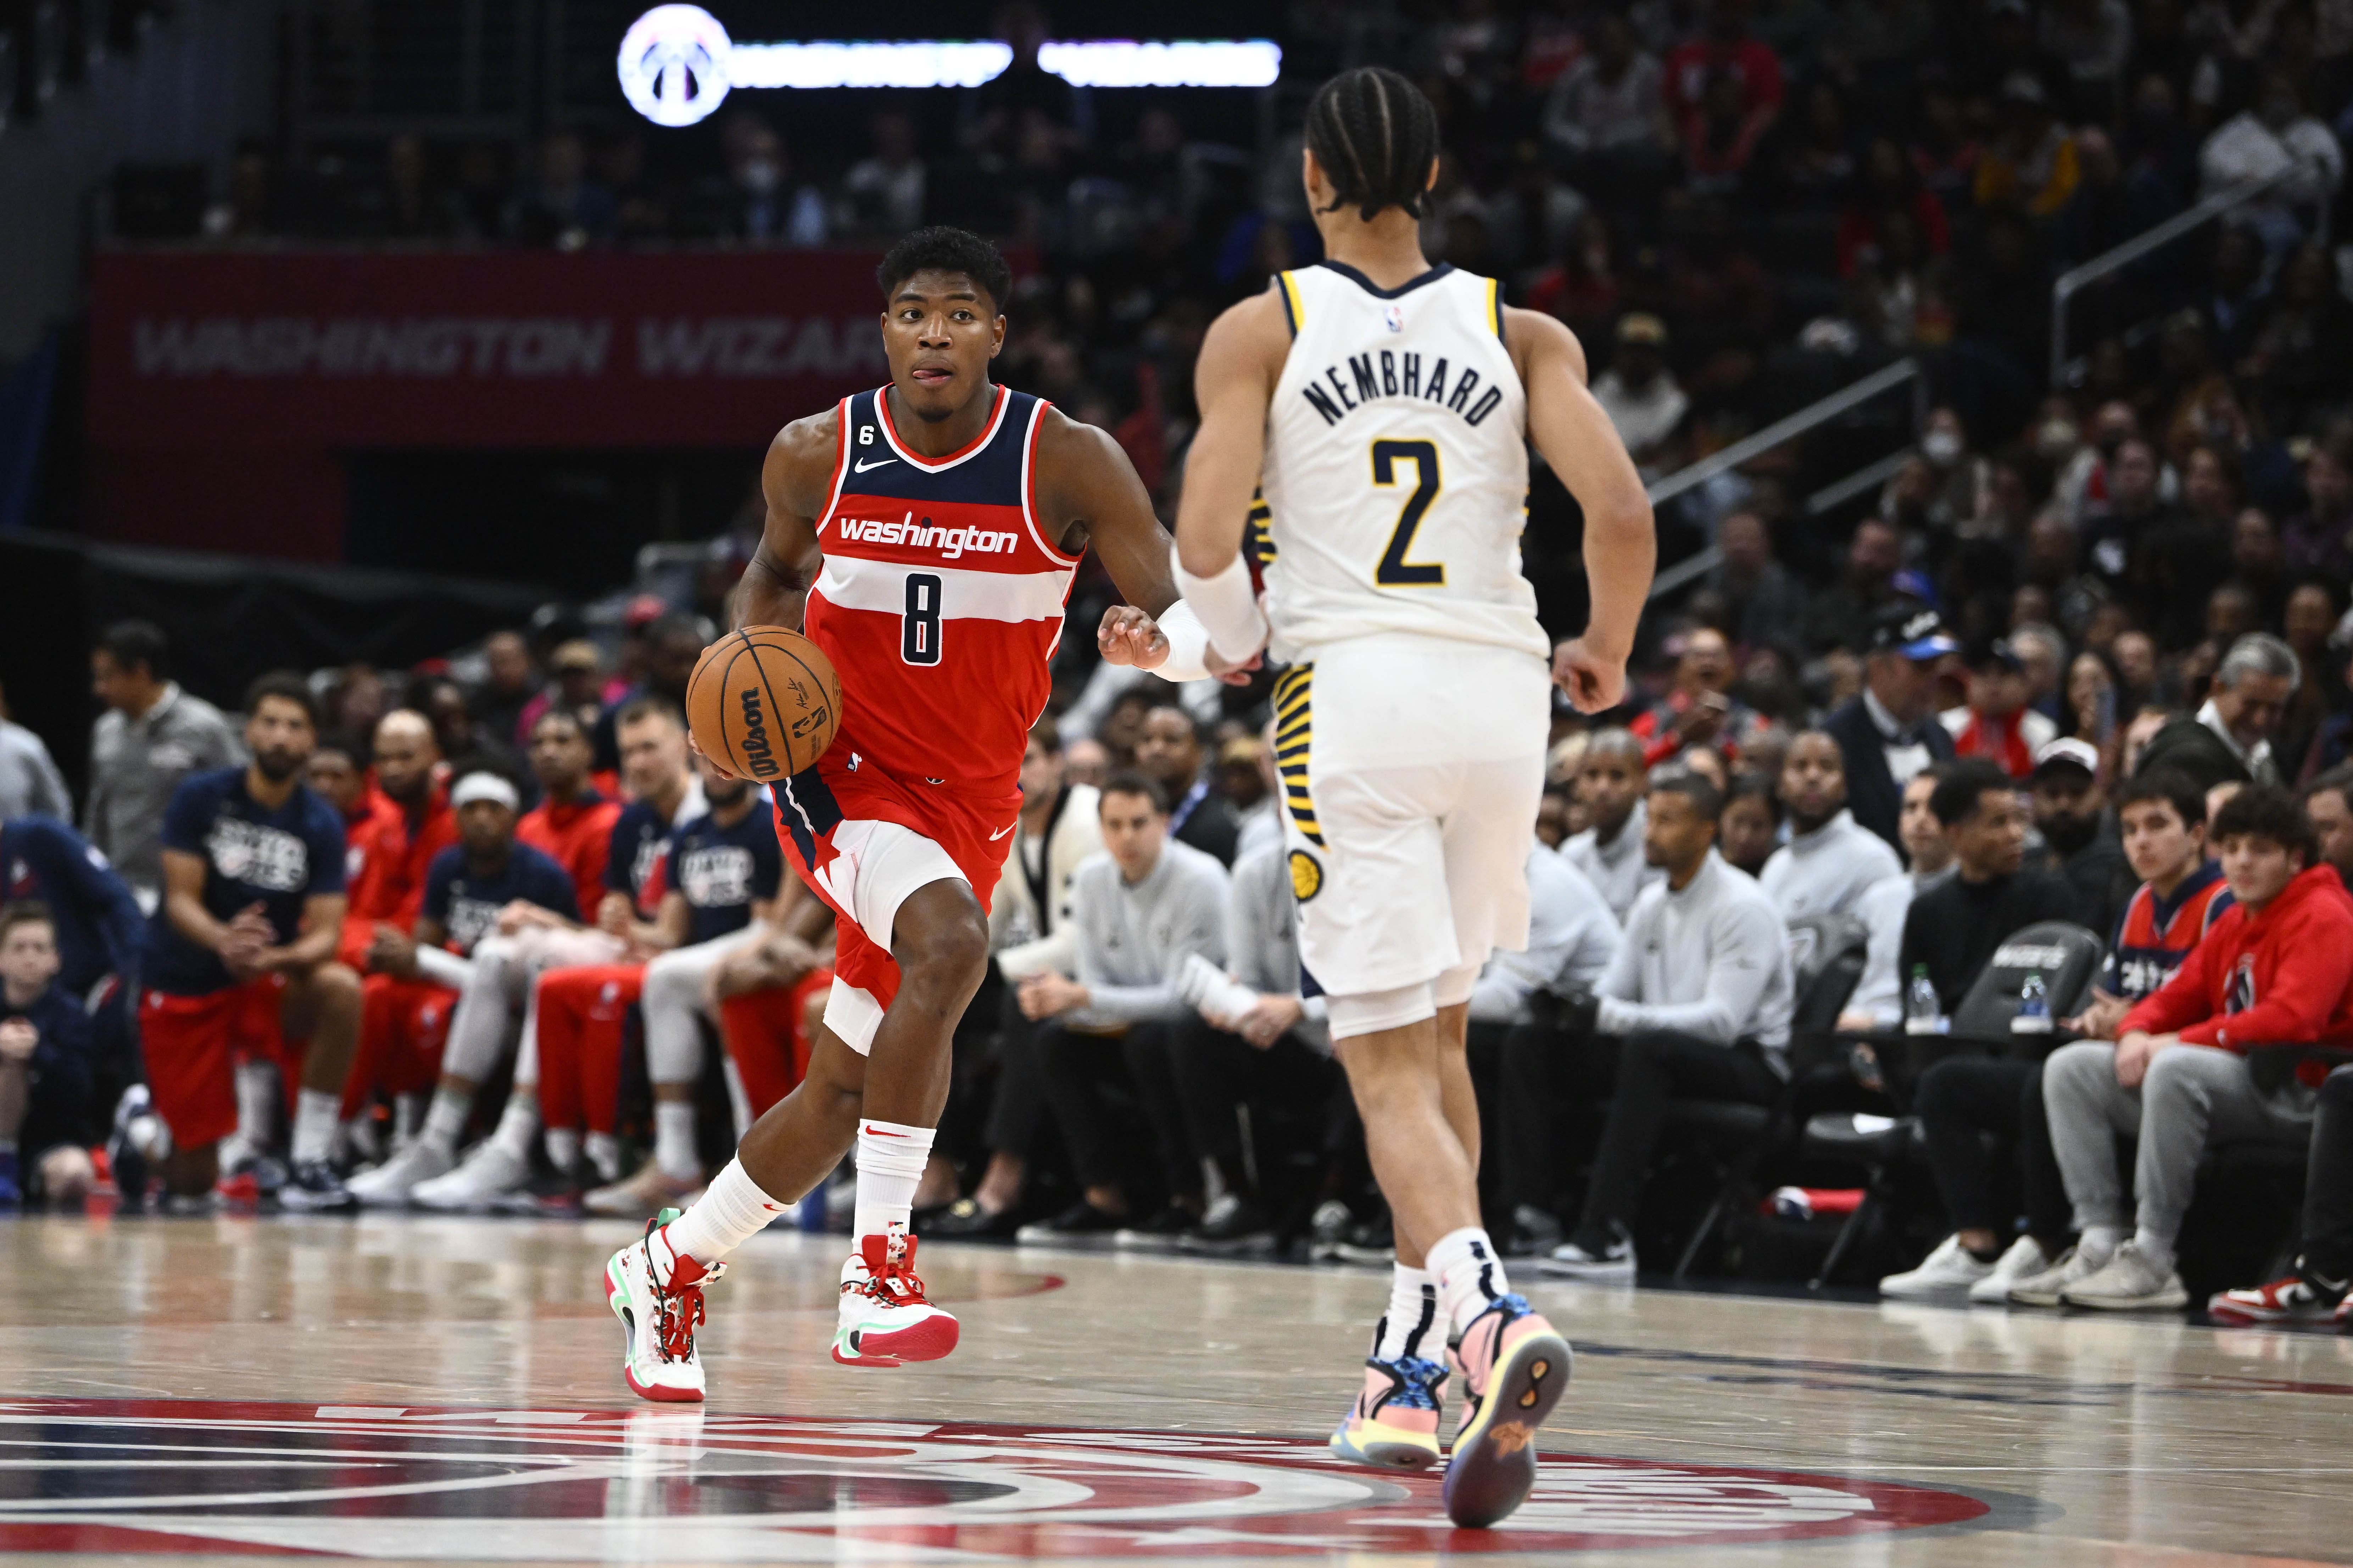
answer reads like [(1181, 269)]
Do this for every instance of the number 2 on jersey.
[(1394, 571), (919, 628)]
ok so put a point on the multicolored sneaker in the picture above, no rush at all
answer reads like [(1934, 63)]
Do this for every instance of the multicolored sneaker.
[(885, 1319), (658, 1318), (2294, 1299), (1394, 1423), (1515, 1369)]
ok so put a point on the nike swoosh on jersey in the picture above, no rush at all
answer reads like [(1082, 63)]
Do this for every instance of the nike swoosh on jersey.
[(861, 467), (1002, 833)]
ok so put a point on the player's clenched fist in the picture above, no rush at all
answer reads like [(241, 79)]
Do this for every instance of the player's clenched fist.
[(1595, 685)]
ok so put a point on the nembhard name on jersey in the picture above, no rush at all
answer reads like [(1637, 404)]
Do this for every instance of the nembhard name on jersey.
[(1387, 373), (951, 543)]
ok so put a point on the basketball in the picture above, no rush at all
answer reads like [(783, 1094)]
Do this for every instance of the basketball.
[(763, 702)]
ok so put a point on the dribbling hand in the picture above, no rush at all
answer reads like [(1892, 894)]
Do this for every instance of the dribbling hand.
[(1594, 684), (1129, 636)]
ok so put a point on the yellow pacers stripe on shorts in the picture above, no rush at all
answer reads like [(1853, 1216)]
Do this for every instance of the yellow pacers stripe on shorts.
[(1294, 730)]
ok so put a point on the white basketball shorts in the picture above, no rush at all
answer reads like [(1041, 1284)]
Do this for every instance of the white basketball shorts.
[(1411, 769)]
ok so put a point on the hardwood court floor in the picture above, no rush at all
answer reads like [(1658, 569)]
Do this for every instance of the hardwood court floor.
[(450, 1390)]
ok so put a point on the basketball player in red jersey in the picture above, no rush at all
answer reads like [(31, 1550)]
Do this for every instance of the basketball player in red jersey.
[(924, 535)]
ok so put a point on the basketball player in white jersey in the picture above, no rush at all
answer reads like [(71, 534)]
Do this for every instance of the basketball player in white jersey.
[(1385, 405)]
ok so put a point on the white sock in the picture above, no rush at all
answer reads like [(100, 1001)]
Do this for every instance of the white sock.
[(315, 1114), (1413, 1311), (444, 1119), (563, 1147), (519, 1122), (730, 1213), (257, 1104), (1469, 1273), (2156, 1249), (407, 1110), (891, 1160), (2099, 1243), (604, 1153), (674, 1139)]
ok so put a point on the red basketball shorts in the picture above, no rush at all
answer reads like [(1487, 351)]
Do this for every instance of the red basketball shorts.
[(767, 1037), (404, 1023), (864, 842), (583, 1016), (193, 1044)]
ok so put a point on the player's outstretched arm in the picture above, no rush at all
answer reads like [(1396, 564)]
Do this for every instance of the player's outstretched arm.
[(1621, 545), (1088, 493), (1233, 382), (797, 480)]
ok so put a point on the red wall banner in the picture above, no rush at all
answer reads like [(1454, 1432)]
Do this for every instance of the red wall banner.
[(327, 350)]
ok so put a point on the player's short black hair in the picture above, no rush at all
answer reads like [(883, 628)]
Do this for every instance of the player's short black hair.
[(1127, 781), (2267, 811), (939, 249), (2171, 786), (134, 643), (1964, 787), (286, 685), (25, 912), (1705, 799), (1375, 134)]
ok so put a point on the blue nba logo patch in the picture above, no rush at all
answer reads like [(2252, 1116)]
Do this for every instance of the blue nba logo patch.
[(1395, 316)]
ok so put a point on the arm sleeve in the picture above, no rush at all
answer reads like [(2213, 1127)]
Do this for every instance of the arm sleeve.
[(443, 967), (2295, 1007), (1623, 980), (1741, 963), (185, 820), (326, 837), (1877, 992), (1200, 928)]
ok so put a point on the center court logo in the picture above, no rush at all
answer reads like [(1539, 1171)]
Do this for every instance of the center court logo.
[(674, 64), (193, 1477)]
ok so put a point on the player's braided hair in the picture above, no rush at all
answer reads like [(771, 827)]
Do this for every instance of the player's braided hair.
[(1375, 134)]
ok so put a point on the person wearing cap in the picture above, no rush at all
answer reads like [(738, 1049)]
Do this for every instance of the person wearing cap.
[(2070, 813), (1888, 732), (1638, 391), (2229, 740), (577, 683), (1997, 724), (413, 976)]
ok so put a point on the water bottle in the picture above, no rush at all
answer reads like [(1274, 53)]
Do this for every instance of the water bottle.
[(2034, 1014), (1922, 1014)]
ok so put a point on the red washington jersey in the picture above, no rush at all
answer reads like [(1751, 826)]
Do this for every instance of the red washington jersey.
[(940, 603)]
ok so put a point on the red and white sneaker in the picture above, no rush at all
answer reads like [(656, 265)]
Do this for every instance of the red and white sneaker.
[(659, 1317), (2289, 1300), (1515, 1369), (885, 1319)]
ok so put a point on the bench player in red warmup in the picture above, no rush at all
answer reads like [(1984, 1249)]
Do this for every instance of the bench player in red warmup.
[(924, 535)]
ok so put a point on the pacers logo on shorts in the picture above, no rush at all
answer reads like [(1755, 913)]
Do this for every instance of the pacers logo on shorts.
[(1306, 875)]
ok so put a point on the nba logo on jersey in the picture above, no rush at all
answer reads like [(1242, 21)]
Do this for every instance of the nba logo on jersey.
[(1395, 317)]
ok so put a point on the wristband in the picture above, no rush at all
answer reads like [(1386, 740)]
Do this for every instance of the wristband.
[(1226, 607), (1188, 644)]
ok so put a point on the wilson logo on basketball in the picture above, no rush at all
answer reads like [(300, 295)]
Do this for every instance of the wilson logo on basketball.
[(757, 755)]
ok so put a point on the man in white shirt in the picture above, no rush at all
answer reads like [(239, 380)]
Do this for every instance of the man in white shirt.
[(2273, 139), (1610, 781)]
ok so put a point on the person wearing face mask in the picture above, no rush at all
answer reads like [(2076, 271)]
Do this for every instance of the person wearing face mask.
[(1951, 490)]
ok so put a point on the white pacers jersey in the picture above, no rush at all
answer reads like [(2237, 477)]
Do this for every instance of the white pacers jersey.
[(1396, 475)]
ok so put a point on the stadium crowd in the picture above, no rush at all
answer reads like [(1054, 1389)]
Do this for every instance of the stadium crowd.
[(2015, 813)]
